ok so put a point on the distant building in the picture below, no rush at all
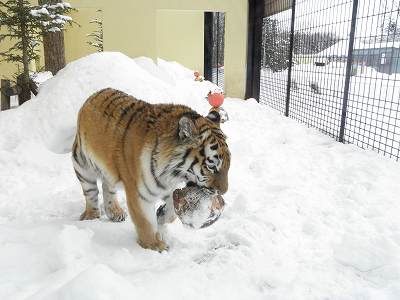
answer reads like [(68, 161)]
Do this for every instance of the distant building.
[(383, 57)]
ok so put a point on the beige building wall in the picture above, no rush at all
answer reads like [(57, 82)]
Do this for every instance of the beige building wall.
[(139, 28), (7, 70), (180, 37), (75, 37), (131, 30), (171, 29), (236, 13)]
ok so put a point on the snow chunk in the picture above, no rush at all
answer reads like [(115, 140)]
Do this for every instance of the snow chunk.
[(41, 77), (58, 21), (39, 12), (66, 18), (54, 29), (55, 6)]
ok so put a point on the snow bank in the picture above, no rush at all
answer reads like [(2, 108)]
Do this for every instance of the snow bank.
[(305, 217), (100, 283), (51, 116)]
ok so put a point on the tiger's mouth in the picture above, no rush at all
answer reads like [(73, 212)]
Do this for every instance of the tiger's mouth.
[(191, 184), (212, 191)]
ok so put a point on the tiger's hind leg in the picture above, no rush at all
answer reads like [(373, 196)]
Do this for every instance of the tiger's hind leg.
[(113, 211), (88, 180)]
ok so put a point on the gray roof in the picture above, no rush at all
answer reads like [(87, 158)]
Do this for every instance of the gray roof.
[(341, 48)]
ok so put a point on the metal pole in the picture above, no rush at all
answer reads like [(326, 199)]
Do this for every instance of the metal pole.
[(348, 70), (5, 97), (289, 79), (208, 33), (217, 47), (254, 48)]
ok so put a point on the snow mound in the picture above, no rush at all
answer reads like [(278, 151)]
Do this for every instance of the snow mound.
[(95, 283), (51, 116)]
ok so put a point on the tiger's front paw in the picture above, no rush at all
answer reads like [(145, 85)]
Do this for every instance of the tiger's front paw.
[(90, 214), (155, 243)]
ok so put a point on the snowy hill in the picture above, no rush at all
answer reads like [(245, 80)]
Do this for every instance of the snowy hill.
[(306, 217)]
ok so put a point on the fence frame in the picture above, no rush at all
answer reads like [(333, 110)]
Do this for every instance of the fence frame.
[(254, 53), (349, 63), (7, 90), (208, 23), (214, 47), (291, 42)]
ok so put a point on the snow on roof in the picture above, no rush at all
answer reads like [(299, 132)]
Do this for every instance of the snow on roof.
[(341, 47)]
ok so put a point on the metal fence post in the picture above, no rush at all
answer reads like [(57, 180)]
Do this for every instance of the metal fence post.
[(254, 48), (348, 71), (208, 19), (217, 38), (291, 43), (5, 97)]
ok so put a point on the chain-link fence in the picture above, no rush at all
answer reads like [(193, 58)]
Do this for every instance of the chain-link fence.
[(335, 66)]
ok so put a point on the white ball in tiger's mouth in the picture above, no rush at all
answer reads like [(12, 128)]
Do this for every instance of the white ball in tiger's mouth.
[(197, 207)]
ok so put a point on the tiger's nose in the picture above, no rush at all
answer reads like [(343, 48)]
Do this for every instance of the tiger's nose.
[(223, 189), (220, 186)]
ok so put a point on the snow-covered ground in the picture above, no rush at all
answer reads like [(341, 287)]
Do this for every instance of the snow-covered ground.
[(306, 217)]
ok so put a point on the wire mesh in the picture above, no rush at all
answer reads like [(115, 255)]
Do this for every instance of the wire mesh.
[(218, 44), (316, 97), (218, 76), (275, 54), (318, 73), (373, 108)]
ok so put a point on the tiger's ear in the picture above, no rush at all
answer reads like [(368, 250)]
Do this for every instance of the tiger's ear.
[(187, 130), (214, 116)]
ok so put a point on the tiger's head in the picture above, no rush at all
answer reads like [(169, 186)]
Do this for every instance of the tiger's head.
[(205, 159)]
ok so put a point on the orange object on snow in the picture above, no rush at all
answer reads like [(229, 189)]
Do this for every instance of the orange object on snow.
[(197, 76), (215, 99)]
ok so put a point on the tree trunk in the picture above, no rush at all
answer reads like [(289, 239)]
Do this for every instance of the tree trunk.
[(54, 52), (53, 45), (25, 94)]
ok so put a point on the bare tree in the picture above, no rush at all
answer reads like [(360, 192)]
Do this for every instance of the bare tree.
[(96, 37)]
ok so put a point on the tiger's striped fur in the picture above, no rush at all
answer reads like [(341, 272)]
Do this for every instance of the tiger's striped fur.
[(150, 148)]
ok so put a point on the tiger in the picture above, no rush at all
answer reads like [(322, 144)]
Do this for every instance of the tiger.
[(150, 149)]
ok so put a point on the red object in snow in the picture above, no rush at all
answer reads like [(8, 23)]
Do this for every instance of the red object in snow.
[(196, 73), (215, 99)]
